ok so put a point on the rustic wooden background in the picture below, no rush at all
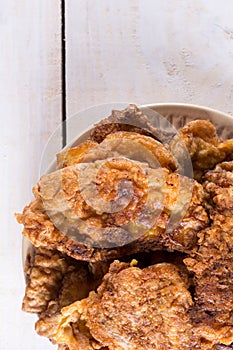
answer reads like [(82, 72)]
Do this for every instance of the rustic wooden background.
[(141, 51)]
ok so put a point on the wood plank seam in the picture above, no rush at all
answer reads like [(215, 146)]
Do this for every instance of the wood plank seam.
[(63, 67)]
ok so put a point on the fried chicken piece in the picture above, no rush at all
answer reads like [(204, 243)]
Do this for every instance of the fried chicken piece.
[(212, 263), (199, 136), (130, 311), (120, 315), (80, 279), (39, 228), (42, 232), (71, 217), (134, 309), (131, 119), (55, 280), (219, 186), (205, 147), (43, 279)]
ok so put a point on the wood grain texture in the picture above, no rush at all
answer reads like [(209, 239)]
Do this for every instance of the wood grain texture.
[(30, 99), (149, 51)]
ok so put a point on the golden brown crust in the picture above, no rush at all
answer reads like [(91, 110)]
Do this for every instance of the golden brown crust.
[(118, 121), (117, 313), (55, 280), (41, 231), (212, 262), (44, 280), (134, 309), (109, 314), (204, 146), (184, 235), (131, 119), (219, 186), (62, 193)]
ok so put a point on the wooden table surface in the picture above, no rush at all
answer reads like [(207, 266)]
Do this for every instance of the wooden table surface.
[(141, 51)]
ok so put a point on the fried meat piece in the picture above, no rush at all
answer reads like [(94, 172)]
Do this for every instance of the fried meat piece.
[(213, 293), (44, 279), (43, 233), (219, 186), (39, 228), (212, 262), (65, 220), (129, 144), (134, 309), (55, 280), (79, 280), (131, 119), (85, 305), (204, 146), (190, 219), (199, 136), (131, 311)]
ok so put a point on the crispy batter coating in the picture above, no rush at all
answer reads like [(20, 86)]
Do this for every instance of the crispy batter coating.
[(134, 309), (212, 262), (204, 146), (130, 311), (191, 218), (130, 119), (115, 316), (64, 201), (85, 305), (43, 279), (219, 186), (55, 280), (41, 231)]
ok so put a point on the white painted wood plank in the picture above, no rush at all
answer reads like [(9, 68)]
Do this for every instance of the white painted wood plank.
[(149, 51), (30, 100)]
